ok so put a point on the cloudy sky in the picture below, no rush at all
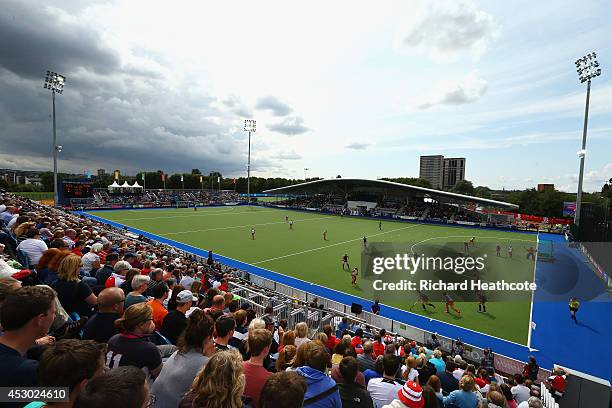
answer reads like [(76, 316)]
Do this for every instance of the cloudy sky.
[(359, 89)]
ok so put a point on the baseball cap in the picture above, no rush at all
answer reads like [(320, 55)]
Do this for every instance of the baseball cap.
[(411, 395), (185, 296)]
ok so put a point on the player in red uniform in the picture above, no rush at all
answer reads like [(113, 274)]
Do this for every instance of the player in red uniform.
[(354, 276), (449, 302)]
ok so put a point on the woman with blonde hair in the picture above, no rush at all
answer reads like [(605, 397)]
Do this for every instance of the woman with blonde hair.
[(301, 334), (132, 345), (220, 384), (74, 294), (464, 397), (21, 229)]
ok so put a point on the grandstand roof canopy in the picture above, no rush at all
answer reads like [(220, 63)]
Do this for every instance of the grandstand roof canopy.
[(383, 187)]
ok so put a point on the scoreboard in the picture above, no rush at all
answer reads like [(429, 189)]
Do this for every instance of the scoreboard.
[(74, 189), (78, 190)]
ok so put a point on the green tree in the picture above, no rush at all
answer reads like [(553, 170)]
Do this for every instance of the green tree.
[(196, 171), (463, 187), (482, 191), (46, 179)]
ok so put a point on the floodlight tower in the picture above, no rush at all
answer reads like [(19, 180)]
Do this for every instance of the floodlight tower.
[(250, 125), (55, 83), (588, 68)]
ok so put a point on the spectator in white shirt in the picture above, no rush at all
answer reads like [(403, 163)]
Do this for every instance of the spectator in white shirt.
[(91, 260), (187, 280), (384, 390), (532, 402), (519, 391), (33, 246)]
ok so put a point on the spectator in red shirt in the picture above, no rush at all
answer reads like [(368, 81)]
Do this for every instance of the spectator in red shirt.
[(78, 248), (557, 382), (379, 344), (224, 287), (357, 339), (259, 341), (331, 339)]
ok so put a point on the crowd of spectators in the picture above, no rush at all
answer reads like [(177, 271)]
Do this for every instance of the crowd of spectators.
[(133, 323), (157, 198)]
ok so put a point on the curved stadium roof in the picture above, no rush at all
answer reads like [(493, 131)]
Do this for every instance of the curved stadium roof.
[(343, 185)]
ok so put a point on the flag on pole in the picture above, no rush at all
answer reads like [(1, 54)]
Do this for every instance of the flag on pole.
[(163, 177), (142, 176), (201, 179), (181, 178), (234, 181), (218, 179)]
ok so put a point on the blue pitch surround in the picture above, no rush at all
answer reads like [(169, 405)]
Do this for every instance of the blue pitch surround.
[(555, 340)]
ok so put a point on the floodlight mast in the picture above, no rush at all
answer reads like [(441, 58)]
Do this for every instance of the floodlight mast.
[(587, 68), (250, 125), (55, 83)]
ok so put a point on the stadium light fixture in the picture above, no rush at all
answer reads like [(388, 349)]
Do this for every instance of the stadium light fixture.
[(55, 83), (250, 125), (587, 68)]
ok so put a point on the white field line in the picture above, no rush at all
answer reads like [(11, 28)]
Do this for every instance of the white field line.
[(332, 245), (241, 226), (535, 262), (187, 216)]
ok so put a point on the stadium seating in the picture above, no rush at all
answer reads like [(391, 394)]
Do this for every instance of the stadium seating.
[(216, 284)]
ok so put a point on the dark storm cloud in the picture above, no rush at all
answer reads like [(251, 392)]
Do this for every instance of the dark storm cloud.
[(34, 39), (273, 104), (112, 114)]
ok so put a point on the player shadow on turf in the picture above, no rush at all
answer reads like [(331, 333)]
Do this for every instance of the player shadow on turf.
[(489, 315), (586, 326)]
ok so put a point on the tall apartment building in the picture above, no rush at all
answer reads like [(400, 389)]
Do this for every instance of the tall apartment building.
[(441, 172), (454, 171), (432, 169)]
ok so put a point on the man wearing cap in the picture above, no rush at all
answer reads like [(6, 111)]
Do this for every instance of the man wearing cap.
[(175, 321), (410, 396)]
